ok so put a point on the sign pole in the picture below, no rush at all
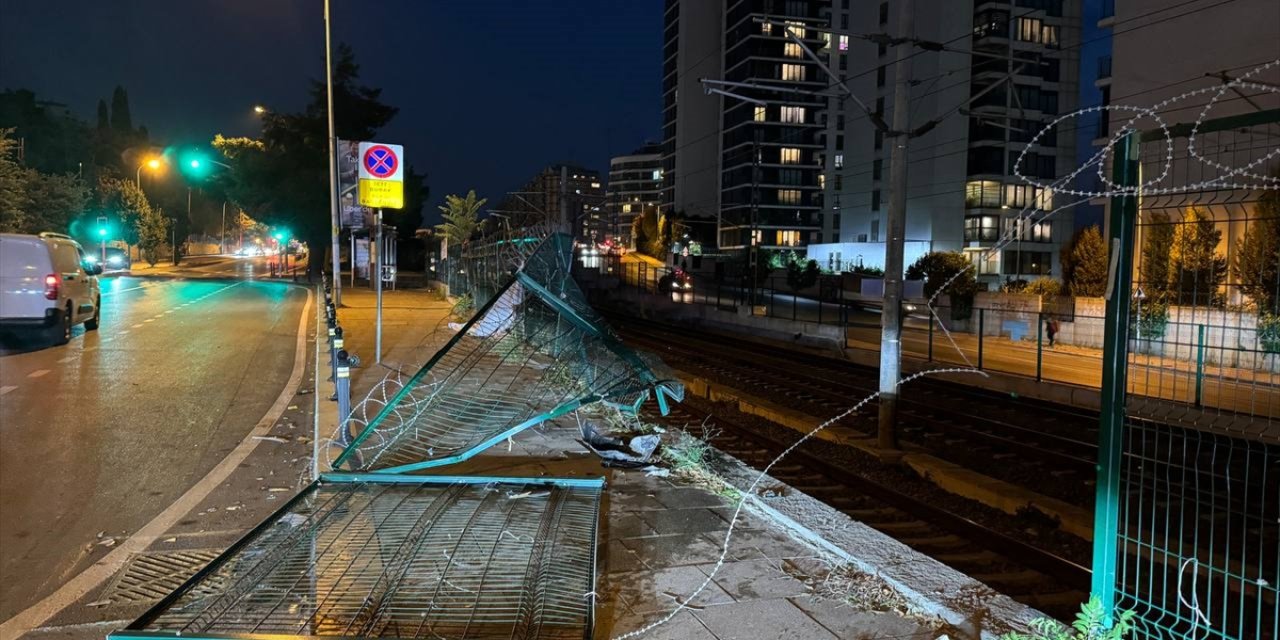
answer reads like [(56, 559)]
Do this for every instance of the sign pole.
[(375, 251)]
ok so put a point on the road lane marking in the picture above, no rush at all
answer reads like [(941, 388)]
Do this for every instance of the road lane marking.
[(7, 388), (37, 373), (149, 320), (67, 359), (115, 291), (96, 574), (168, 312), (123, 332), (136, 326)]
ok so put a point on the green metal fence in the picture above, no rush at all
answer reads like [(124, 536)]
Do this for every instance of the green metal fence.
[(1187, 527)]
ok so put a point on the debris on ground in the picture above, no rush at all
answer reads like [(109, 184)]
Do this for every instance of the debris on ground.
[(279, 439), (614, 451)]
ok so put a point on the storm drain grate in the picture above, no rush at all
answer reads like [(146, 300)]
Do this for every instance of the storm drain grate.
[(151, 576)]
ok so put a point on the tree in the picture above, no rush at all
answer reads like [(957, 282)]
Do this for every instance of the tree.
[(952, 270), (121, 119), (802, 277), (123, 198), (647, 232), (103, 115), (1085, 263), (1257, 263), (1157, 244), (152, 228), (282, 179), (1197, 269), (461, 217), (31, 201)]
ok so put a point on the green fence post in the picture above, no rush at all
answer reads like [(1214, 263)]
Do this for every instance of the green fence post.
[(1039, 345), (1200, 366), (982, 318), (1115, 347)]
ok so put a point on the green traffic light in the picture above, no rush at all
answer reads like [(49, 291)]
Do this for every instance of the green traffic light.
[(195, 164), (102, 231)]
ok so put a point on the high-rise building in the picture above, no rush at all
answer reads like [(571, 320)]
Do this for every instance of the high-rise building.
[(1011, 69), (538, 201), (635, 186), (749, 162)]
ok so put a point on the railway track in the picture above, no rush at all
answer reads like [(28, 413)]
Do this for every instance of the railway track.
[(1047, 448), (1028, 574)]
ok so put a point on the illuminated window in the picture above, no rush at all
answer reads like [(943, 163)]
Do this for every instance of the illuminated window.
[(793, 72), (789, 155), (844, 43), (788, 196), (760, 113), (757, 237), (657, 174), (982, 193), (822, 181), (794, 115), (1030, 30), (766, 28), (792, 50), (787, 238), (1041, 232), (981, 228), (796, 28), (839, 160)]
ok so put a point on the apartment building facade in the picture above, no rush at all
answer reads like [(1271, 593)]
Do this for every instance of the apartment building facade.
[(635, 186)]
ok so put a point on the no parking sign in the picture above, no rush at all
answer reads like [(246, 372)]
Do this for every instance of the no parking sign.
[(381, 175)]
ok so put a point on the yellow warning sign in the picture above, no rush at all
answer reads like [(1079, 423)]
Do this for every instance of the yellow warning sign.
[(388, 194)]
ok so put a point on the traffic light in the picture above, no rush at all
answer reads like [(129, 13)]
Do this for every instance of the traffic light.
[(195, 164), (102, 228)]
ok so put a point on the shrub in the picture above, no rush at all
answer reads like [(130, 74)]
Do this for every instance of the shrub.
[(1090, 624), (950, 268), (1044, 286), (1153, 320), (1269, 332)]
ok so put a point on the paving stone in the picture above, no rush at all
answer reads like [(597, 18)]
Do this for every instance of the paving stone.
[(620, 558), (628, 525), (755, 579), (647, 592), (754, 544), (683, 626), (631, 498), (762, 620), (847, 622), (680, 549), (689, 497), (683, 520)]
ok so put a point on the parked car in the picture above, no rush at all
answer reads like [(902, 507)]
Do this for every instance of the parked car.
[(47, 284)]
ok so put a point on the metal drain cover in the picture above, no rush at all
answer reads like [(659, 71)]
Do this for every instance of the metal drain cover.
[(151, 576)]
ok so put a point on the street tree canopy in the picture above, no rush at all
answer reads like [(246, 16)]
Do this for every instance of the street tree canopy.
[(282, 178), (1257, 262), (1085, 263), (461, 217)]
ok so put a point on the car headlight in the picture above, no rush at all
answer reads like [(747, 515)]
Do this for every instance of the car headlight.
[(115, 261), (91, 259)]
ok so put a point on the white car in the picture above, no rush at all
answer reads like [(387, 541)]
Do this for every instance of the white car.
[(47, 284)]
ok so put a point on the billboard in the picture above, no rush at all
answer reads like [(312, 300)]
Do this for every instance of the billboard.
[(351, 214)]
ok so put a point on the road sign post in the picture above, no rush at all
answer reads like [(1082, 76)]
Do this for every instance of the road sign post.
[(381, 186)]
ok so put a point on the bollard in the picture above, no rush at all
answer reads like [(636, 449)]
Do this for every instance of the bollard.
[(343, 392), (334, 350)]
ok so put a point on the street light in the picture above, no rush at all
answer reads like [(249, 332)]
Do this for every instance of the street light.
[(150, 163), (259, 109)]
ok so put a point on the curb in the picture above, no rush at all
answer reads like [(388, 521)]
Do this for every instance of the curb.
[(948, 476), (929, 586)]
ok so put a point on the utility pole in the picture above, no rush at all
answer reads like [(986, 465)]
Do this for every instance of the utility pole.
[(375, 272), (222, 242), (891, 318), (753, 248), (564, 204), (334, 223)]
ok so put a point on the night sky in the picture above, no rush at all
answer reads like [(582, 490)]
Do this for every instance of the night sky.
[(489, 91)]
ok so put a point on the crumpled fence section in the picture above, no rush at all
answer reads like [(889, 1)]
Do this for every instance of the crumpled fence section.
[(373, 551)]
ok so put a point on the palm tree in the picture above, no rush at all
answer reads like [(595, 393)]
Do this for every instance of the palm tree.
[(461, 217)]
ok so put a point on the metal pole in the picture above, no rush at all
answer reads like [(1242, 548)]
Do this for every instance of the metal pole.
[(334, 262), (890, 321), (564, 204), (982, 330), (1106, 521), (1200, 366), (375, 251), (1039, 346), (222, 243)]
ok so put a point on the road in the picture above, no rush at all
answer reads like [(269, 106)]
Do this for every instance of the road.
[(103, 433)]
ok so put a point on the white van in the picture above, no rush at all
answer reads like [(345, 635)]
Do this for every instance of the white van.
[(47, 285)]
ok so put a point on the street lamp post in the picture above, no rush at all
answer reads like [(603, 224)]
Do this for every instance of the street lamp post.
[(152, 164)]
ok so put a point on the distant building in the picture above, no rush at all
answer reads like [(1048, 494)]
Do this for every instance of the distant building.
[(538, 201), (635, 185)]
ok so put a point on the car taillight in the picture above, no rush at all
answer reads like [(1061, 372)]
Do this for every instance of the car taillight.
[(51, 284)]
